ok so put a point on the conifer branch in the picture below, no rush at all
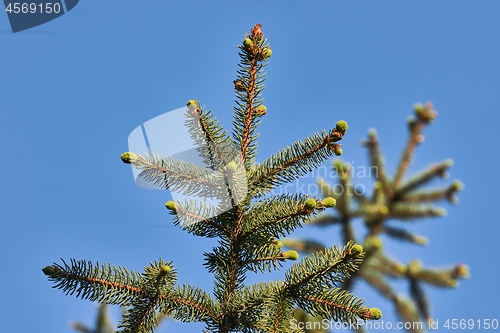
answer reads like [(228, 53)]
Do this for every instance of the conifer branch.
[(418, 295), (249, 85), (408, 312), (424, 177), (404, 235), (402, 200), (379, 284), (304, 245), (425, 115), (376, 160), (177, 175), (329, 267), (277, 216), (192, 218), (330, 304), (213, 144), (293, 162), (447, 193), (246, 229)]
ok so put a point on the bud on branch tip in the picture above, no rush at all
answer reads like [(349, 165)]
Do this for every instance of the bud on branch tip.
[(129, 158)]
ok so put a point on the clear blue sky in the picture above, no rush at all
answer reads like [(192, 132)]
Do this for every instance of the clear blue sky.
[(73, 89)]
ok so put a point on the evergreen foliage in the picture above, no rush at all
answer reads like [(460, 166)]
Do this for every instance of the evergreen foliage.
[(393, 199), (246, 225)]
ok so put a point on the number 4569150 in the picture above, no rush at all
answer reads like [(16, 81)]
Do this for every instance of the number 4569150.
[(32, 8), (464, 324)]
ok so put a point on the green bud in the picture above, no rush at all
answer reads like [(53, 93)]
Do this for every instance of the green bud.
[(375, 313), (247, 43), (341, 127), (170, 205), (401, 269), (292, 255), (463, 271), (414, 267), (335, 148), (458, 185), (266, 53), (165, 269), (231, 167), (357, 249), (49, 270), (278, 244), (329, 202), (373, 243), (384, 210), (439, 212), (419, 108), (129, 158), (259, 111), (192, 104), (310, 204), (421, 240)]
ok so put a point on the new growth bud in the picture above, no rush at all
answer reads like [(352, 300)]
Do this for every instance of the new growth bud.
[(335, 148), (231, 167), (421, 240), (165, 269), (266, 53), (310, 204), (373, 243), (425, 113), (372, 313), (129, 158), (375, 313), (292, 255), (439, 212), (458, 185), (414, 267), (462, 271), (49, 270), (357, 249), (341, 127), (419, 108), (192, 104), (247, 44), (260, 111), (329, 202), (171, 206)]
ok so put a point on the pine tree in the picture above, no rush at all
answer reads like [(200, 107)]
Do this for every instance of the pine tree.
[(393, 198), (247, 221)]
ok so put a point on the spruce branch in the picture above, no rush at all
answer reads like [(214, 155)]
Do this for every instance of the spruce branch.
[(208, 136), (424, 115), (431, 172), (177, 175), (328, 267), (400, 200), (293, 162), (247, 227)]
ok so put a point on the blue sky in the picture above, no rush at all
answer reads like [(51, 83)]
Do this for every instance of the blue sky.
[(73, 89)]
